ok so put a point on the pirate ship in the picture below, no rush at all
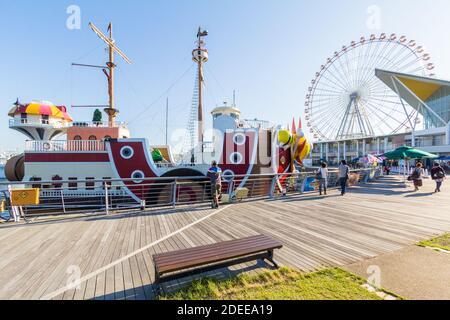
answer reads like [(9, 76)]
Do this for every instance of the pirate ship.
[(94, 151)]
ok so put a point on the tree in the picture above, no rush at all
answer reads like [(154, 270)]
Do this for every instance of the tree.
[(97, 119)]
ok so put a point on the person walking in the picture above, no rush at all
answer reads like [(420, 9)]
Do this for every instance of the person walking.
[(344, 172), (322, 176), (438, 175), (417, 176), (215, 176), (387, 169)]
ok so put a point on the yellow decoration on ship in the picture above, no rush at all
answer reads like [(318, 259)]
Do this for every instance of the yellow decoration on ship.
[(300, 147)]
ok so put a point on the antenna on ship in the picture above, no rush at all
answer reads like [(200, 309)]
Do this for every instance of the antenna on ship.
[(108, 70)]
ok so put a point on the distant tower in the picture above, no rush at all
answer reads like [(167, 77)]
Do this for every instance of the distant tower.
[(200, 56), (39, 120)]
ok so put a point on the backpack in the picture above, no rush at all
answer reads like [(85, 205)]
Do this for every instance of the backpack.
[(440, 174), (416, 174)]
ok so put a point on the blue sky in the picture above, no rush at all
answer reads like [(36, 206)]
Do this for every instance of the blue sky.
[(268, 51)]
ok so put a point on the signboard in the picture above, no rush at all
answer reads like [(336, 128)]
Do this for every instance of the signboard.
[(24, 197)]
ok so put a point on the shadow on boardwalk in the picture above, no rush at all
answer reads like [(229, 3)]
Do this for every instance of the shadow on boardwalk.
[(148, 292)]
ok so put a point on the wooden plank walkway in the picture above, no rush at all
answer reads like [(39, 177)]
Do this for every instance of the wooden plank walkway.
[(40, 258)]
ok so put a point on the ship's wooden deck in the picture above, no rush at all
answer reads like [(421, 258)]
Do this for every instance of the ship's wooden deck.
[(112, 254)]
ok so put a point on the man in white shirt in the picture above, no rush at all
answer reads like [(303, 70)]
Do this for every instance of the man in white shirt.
[(322, 175)]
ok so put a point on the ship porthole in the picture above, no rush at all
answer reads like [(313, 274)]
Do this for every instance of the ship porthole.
[(239, 139), (127, 152), (236, 158), (228, 175), (138, 176), (47, 146)]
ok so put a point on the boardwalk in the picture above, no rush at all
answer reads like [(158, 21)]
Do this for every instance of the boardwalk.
[(112, 254)]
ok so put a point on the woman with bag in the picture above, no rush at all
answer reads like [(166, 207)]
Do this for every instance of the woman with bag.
[(417, 176), (438, 175)]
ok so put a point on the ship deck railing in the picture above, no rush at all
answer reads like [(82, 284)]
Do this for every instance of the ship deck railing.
[(38, 122), (105, 196), (64, 145), (100, 124)]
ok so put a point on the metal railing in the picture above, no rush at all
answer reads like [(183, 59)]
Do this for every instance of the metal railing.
[(94, 196), (64, 145), (38, 122), (99, 124)]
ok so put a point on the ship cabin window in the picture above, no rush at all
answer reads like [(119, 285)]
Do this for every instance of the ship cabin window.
[(73, 185), (107, 181), (92, 138), (45, 119), (24, 118), (36, 179), (57, 185), (234, 115), (77, 138), (90, 185)]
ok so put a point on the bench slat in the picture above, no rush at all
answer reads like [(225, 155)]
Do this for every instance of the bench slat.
[(190, 251), (161, 258)]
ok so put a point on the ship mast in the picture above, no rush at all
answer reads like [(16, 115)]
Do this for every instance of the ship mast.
[(111, 111), (200, 56), (109, 71)]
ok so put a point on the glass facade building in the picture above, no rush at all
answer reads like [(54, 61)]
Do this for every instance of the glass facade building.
[(439, 102)]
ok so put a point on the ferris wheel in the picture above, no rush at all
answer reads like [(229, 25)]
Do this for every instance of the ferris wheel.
[(346, 100)]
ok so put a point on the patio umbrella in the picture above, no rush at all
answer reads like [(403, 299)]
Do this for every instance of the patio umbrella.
[(405, 152), (408, 153)]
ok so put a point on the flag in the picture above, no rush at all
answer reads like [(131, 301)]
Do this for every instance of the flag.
[(201, 33), (294, 129)]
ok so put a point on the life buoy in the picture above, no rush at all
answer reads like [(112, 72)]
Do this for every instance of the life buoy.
[(47, 146)]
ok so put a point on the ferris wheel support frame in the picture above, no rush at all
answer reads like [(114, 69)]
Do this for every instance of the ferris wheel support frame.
[(359, 113)]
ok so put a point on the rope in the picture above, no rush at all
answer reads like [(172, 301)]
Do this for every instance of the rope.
[(164, 94)]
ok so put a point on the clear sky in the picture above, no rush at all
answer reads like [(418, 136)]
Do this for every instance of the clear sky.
[(266, 50)]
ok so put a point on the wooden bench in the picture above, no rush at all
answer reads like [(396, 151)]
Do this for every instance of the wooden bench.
[(179, 264)]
